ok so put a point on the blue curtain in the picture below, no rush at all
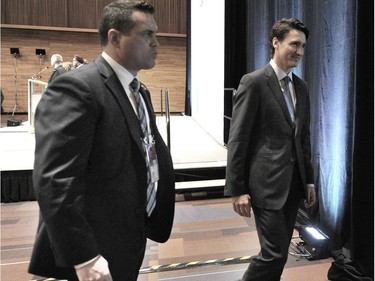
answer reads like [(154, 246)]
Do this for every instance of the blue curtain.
[(332, 86), (329, 68), (338, 66)]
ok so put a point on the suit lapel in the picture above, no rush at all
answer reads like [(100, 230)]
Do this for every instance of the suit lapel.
[(274, 85), (147, 98), (116, 89)]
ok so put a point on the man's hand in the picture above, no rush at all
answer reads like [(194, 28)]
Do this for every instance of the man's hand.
[(311, 196), (97, 270), (242, 205)]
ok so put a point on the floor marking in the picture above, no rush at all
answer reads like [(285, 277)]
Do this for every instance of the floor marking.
[(178, 266), (185, 277)]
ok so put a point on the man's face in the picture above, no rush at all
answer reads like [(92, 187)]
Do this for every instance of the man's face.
[(289, 51), (138, 50)]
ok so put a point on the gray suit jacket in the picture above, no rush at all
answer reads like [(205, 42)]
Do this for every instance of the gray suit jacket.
[(57, 72), (261, 152), (90, 176)]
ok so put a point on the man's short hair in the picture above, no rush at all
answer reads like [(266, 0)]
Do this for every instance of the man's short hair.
[(118, 15), (282, 27), (56, 58), (79, 59)]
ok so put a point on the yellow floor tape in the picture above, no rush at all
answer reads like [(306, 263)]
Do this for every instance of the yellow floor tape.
[(178, 266)]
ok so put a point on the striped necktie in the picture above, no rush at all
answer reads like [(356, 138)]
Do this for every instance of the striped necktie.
[(151, 192), (288, 98), (140, 108)]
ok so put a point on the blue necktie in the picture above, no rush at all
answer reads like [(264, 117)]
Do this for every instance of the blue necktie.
[(288, 97), (151, 193)]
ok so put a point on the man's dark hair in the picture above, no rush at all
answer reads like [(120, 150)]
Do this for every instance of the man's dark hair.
[(282, 27), (118, 15)]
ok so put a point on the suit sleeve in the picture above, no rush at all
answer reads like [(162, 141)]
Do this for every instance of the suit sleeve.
[(241, 129), (306, 143), (65, 127)]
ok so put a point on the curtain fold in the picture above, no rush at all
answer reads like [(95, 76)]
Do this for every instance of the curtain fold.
[(330, 67), (330, 72)]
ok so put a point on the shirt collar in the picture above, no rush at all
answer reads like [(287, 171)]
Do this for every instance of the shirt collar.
[(122, 73), (279, 72)]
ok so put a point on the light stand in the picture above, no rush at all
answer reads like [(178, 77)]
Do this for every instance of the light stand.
[(40, 53), (15, 52)]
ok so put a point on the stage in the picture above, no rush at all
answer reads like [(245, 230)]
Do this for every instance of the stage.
[(199, 160)]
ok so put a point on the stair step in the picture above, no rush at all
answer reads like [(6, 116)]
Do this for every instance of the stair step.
[(199, 184)]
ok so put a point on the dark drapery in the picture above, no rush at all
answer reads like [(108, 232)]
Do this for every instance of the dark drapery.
[(339, 51), (330, 71), (16, 186), (363, 162)]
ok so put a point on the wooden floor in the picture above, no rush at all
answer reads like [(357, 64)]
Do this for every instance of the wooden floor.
[(204, 230)]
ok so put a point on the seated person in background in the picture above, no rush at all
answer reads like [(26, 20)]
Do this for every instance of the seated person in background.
[(78, 61), (57, 63)]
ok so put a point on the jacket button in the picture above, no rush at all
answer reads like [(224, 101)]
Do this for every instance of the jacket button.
[(292, 159)]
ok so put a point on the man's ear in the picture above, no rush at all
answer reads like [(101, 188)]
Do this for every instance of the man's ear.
[(275, 42), (114, 37)]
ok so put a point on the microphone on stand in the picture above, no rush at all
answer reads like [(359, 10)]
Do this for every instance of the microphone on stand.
[(37, 75)]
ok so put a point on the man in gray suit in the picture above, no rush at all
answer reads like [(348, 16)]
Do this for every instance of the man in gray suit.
[(96, 168), (58, 67), (268, 164)]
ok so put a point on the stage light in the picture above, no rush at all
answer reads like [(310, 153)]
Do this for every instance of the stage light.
[(40, 52), (15, 51), (316, 242), (315, 233)]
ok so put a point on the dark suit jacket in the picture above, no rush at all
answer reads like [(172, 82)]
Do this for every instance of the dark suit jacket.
[(90, 176), (56, 72), (261, 152)]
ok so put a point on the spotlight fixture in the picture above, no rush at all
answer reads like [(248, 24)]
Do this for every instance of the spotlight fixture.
[(40, 52), (316, 242), (15, 52)]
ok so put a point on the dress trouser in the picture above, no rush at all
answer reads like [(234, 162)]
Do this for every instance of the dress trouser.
[(275, 230)]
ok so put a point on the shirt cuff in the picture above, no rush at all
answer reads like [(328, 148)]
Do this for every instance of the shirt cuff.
[(78, 266)]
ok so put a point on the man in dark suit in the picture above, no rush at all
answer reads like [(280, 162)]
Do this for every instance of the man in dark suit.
[(95, 166), (268, 164), (58, 67)]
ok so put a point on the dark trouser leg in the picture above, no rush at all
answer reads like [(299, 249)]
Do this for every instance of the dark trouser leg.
[(127, 268), (139, 263), (275, 229)]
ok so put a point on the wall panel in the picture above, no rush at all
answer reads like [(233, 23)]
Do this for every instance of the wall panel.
[(54, 25), (169, 72), (35, 12), (170, 14), (83, 15)]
